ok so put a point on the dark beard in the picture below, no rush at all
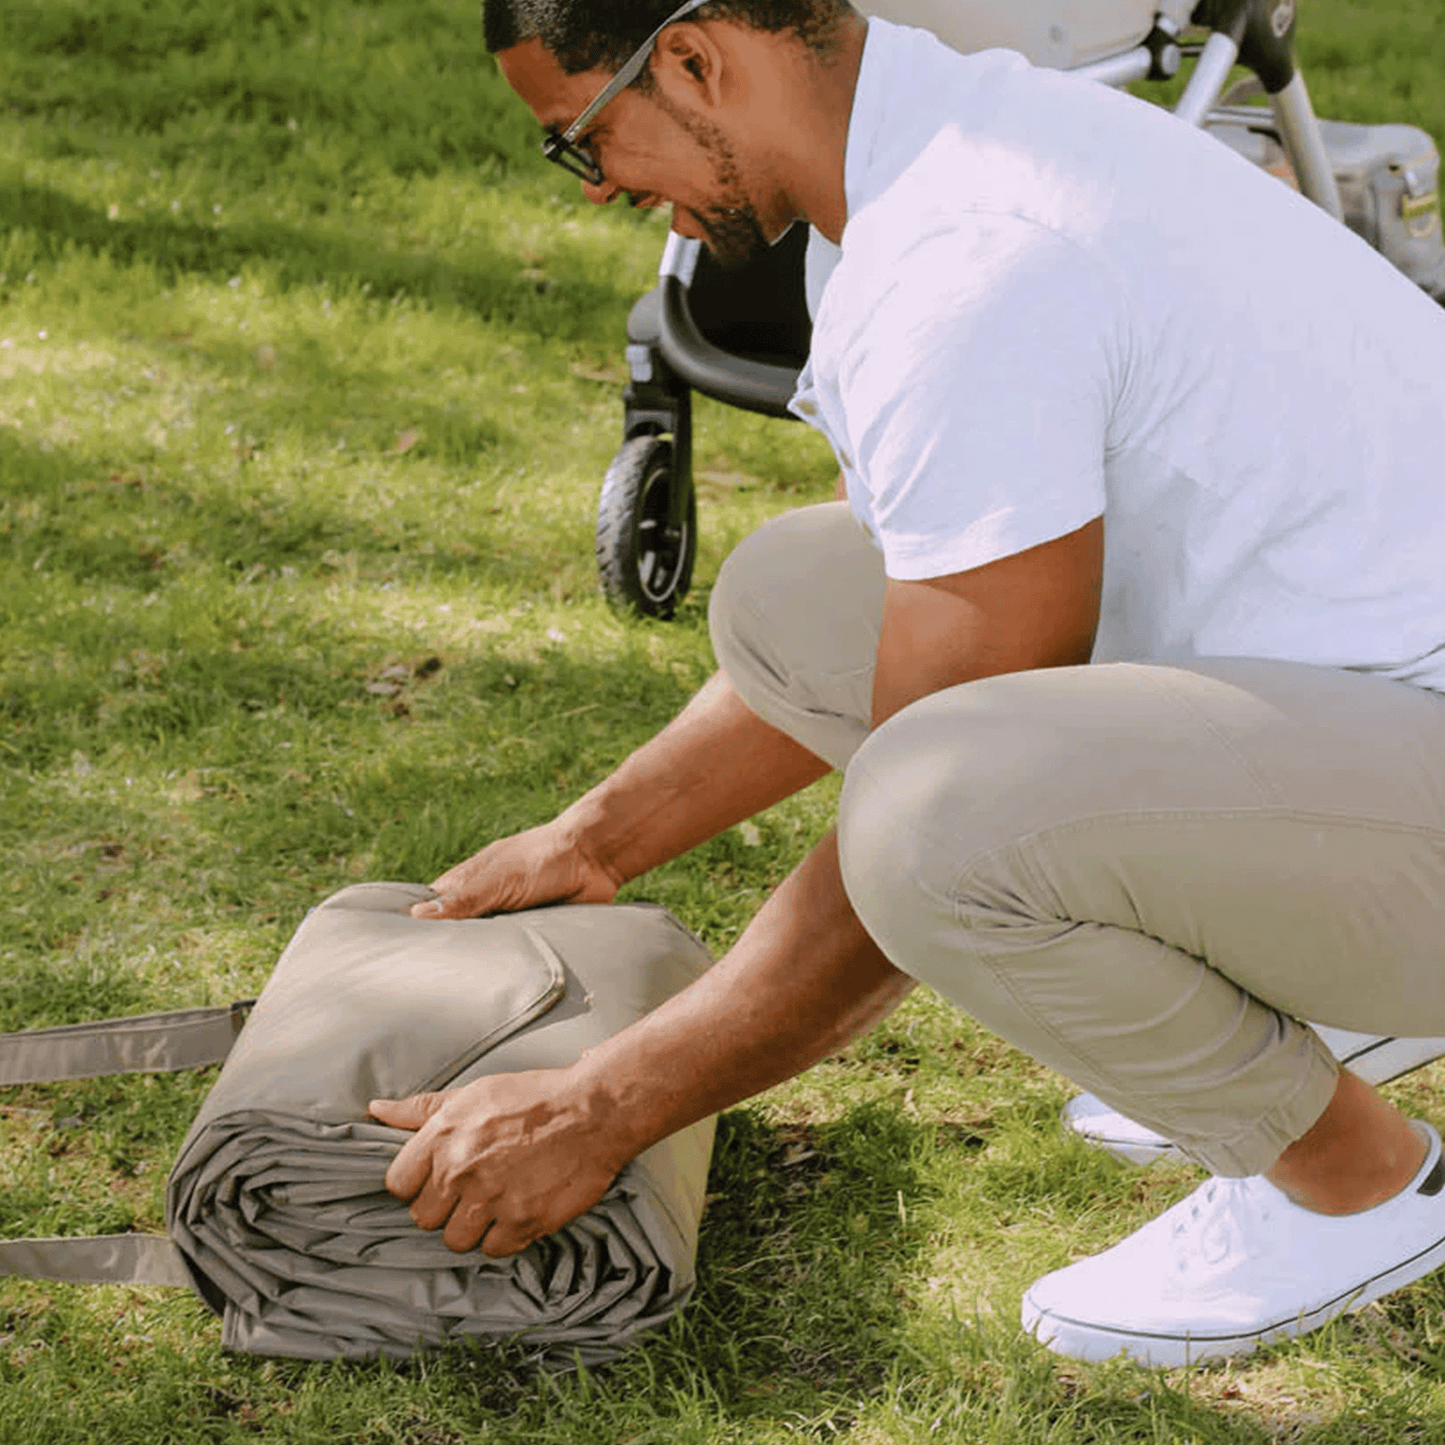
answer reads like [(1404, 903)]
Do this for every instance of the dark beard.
[(734, 235)]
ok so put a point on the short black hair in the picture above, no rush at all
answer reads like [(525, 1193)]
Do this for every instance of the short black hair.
[(601, 34)]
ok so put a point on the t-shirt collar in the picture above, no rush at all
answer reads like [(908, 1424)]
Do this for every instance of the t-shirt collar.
[(868, 118)]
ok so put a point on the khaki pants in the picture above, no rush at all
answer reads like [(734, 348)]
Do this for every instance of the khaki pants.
[(1140, 874)]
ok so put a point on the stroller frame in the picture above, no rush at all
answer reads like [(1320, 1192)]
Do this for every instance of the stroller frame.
[(677, 333)]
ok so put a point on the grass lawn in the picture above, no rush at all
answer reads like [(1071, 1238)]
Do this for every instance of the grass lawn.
[(308, 378)]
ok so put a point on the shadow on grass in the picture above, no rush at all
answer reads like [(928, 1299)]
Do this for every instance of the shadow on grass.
[(805, 1251), (493, 287)]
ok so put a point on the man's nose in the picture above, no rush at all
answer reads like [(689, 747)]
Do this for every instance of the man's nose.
[(602, 194)]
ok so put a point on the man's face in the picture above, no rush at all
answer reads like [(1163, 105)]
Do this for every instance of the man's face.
[(652, 149)]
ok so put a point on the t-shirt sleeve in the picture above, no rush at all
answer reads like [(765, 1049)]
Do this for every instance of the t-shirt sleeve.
[(975, 377)]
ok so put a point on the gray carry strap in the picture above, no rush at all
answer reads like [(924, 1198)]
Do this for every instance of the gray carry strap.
[(145, 1044), (96, 1259)]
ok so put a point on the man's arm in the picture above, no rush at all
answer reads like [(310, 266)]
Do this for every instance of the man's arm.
[(715, 764), (1038, 608), (509, 1158)]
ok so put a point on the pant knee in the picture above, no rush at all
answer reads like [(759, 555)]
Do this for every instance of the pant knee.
[(738, 609), (806, 589), (794, 619)]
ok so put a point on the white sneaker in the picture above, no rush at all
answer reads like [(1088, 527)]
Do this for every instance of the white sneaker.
[(1236, 1265), (1375, 1058)]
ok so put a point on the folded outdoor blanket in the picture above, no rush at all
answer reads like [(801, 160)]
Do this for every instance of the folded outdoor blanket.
[(276, 1207)]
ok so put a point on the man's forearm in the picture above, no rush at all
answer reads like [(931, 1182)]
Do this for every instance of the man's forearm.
[(715, 764), (803, 979)]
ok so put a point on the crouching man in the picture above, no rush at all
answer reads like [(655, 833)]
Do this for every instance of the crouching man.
[(1125, 638)]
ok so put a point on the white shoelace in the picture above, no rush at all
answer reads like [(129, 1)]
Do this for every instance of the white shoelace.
[(1218, 1222)]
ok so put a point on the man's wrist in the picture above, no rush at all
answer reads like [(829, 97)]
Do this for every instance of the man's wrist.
[(620, 1130), (593, 831)]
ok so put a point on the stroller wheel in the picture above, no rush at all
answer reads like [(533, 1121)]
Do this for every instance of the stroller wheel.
[(645, 542)]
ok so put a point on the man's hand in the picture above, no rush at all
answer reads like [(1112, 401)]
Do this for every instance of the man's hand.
[(527, 870), (500, 1162)]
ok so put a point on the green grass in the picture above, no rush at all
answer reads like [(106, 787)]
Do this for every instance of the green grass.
[(308, 377)]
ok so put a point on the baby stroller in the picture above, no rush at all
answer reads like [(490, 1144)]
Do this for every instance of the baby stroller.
[(742, 336)]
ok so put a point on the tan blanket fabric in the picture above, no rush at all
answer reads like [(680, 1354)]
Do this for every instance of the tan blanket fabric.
[(277, 1205)]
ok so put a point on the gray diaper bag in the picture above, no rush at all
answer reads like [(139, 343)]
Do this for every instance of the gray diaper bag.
[(1388, 178), (276, 1210)]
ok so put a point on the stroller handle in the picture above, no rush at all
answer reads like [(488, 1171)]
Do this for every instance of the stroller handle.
[(709, 369)]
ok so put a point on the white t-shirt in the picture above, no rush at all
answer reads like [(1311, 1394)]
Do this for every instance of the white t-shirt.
[(1053, 301)]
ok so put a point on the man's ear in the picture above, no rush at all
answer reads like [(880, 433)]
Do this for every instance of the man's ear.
[(688, 64)]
